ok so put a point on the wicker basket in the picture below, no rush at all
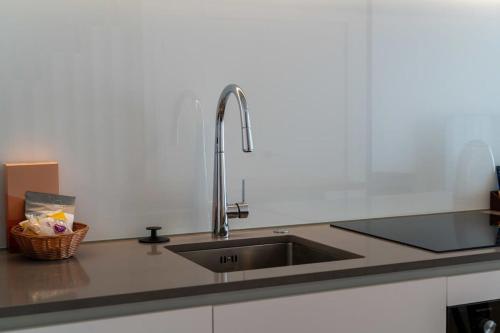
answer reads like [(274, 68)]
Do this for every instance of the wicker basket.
[(50, 247)]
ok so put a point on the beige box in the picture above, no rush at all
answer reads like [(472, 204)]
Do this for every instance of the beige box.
[(22, 177)]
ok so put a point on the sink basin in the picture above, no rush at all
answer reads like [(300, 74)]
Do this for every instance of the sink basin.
[(256, 253)]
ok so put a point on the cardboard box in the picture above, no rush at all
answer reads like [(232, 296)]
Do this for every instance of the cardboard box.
[(22, 177)]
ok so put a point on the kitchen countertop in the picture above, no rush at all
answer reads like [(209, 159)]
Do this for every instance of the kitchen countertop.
[(126, 271)]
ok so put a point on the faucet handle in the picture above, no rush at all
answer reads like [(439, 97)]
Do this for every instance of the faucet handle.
[(243, 190), (243, 206), (239, 209)]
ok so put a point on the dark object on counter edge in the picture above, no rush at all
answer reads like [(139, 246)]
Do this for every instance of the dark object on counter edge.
[(494, 201), (154, 238)]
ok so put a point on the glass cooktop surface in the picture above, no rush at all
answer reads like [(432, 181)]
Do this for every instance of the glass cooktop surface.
[(437, 232)]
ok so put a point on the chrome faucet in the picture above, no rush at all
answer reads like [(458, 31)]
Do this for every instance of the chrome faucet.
[(221, 211)]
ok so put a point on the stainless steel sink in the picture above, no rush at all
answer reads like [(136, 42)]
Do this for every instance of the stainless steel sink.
[(256, 253)]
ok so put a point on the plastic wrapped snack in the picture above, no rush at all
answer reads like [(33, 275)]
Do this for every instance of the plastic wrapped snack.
[(50, 224), (37, 203), (48, 214)]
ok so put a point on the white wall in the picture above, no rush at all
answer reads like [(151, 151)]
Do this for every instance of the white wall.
[(360, 108)]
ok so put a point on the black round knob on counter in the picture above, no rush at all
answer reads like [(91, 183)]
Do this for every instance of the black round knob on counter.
[(154, 238)]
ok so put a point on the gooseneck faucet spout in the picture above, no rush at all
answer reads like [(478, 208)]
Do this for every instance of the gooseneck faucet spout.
[(221, 211)]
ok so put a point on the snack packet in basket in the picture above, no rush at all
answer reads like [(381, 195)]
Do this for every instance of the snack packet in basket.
[(52, 224), (48, 214)]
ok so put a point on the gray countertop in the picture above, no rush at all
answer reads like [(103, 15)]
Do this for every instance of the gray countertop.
[(125, 271)]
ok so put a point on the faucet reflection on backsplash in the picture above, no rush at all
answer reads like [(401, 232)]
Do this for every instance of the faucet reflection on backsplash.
[(221, 211)]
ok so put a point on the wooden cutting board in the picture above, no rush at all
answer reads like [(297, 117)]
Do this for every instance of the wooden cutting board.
[(22, 177)]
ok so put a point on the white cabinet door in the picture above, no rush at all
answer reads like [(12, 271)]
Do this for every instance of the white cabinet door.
[(196, 320), (410, 307), (472, 288)]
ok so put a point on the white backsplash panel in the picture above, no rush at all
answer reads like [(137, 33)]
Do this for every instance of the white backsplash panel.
[(360, 108)]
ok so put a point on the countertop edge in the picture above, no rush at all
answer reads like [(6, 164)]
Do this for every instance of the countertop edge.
[(228, 287)]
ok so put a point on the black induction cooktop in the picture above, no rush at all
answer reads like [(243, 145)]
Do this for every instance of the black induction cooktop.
[(437, 232)]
